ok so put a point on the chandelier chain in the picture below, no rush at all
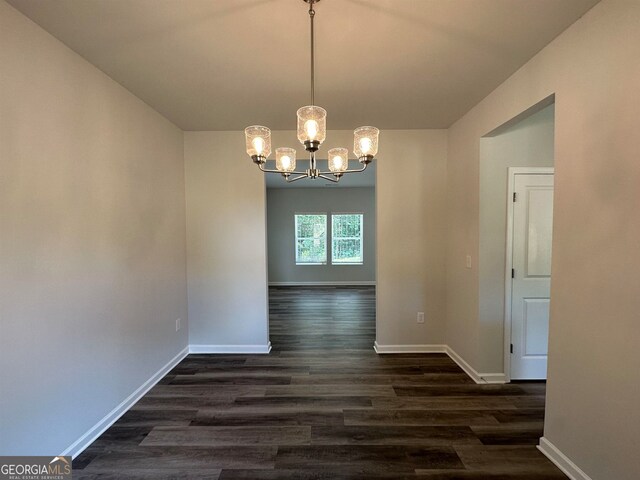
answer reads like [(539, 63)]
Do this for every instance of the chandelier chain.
[(312, 14)]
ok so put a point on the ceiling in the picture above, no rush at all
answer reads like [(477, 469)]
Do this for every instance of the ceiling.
[(226, 64)]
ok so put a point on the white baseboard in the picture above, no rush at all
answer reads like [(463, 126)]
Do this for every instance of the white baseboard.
[(475, 375), (354, 283), (409, 348), (493, 378), (561, 461), (77, 447), (247, 349), (464, 365)]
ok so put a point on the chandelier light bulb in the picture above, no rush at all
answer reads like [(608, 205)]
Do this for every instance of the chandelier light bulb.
[(311, 127), (365, 145), (258, 144)]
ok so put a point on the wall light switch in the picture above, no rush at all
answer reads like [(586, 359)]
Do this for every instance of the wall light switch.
[(468, 261), (178, 322), (420, 317)]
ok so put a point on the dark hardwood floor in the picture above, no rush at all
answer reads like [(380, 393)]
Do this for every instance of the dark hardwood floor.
[(324, 406)]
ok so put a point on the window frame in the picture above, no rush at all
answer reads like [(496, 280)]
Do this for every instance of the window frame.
[(360, 238), (297, 260)]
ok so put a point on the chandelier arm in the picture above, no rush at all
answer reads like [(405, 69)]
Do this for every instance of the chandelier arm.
[(334, 180), (266, 170), (357, 170), (347, 171), (291, 180)]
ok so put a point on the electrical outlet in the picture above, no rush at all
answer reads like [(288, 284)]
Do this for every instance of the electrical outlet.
[(420, 318), (468, 261), (178, 324)]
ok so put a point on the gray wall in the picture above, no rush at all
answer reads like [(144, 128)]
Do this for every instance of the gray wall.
[(529, 143), (283, 204), (92, 242)]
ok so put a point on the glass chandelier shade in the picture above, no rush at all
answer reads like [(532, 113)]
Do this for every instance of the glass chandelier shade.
[(312, 124), (338, 160), (258, 141), (365, 141), (285, 159)]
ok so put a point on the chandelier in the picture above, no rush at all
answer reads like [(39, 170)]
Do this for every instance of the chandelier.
[(312, 131)]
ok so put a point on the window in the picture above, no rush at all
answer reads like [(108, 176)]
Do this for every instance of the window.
[(346, 239), (311, 239)]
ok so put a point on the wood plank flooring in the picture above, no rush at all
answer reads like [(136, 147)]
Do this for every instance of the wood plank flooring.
[(324, 406)]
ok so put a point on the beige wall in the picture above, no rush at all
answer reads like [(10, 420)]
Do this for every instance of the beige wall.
[(92, 242), (411, 206), (226, 242), (594, 364), (528, 143)]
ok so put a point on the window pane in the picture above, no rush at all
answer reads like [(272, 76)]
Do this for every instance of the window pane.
[(311, 226), (347, 225), (311, 239), (312, 251), (346, 245), (347, 251), (305, 229)]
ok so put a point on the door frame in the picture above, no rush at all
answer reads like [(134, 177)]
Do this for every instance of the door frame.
[(511, 180)]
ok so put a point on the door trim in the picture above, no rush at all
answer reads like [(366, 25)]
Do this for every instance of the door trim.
[(511, 179)]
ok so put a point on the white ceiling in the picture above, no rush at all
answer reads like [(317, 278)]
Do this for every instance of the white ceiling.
[(225, 64)]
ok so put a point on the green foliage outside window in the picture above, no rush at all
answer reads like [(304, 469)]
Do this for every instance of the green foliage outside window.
[(311, 239)]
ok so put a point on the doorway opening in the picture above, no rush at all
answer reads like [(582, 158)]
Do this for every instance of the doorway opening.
[(515, 243), (321, 251)]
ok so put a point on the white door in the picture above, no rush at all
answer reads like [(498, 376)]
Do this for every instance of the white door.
[(531, 275)]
